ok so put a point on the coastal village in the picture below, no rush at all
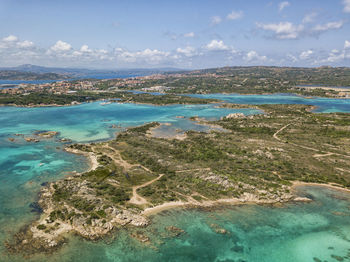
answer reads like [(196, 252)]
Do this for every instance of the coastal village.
[(252, 81)]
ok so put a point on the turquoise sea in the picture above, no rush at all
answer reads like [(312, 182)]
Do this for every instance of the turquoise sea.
[(294, 232), (324, 105)]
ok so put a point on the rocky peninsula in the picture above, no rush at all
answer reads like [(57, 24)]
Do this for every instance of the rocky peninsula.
[(256, 160)]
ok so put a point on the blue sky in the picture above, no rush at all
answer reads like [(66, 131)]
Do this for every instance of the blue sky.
[(182, 33)]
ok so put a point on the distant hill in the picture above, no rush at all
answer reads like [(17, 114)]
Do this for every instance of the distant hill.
[(20, 75), (33, 72)]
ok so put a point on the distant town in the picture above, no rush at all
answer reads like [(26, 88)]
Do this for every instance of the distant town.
[(322, 82)]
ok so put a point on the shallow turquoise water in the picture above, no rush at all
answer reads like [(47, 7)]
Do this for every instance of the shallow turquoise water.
[(300, 231), (295, 232), (92, 121), (325, 105), (25, 166)]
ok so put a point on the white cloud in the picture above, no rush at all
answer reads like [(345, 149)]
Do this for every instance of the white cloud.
[(254, 56), (347, 44), (292, 58), (346, 6), (235, 15), (283, 30), (189, 35), (328, 26), (61, 46), (25, 44), (14, 51), (86, 53), (309, 18), (306, 54), (13, 42), (10, 38), (338, 57), (85, 49), (283, 5), (215, 20), (152, 56), (288, 30), (216, 45), (187, 51), (333, 57)]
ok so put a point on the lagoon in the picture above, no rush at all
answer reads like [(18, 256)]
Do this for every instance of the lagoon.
[(324, 105)]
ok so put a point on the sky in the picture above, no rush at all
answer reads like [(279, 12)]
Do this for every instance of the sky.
[(189, 34)]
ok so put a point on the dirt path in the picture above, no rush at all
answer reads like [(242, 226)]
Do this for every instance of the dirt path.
[(117, 158), (320, 152), (191, 170), (136, 198), (280, 130), (322, 155), (291, 143)]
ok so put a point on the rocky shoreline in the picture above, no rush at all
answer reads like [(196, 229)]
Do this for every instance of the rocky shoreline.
[(48, 236), (44, 236)]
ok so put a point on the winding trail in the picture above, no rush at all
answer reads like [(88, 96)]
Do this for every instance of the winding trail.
[(190, 170), (117, 158), (280, 130), (320, 152), (322, 155), (136, 198)]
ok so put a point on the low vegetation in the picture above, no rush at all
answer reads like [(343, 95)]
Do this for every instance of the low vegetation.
[(256, 159)]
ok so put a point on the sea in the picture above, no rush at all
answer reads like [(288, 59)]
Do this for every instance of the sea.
[(293, 232)]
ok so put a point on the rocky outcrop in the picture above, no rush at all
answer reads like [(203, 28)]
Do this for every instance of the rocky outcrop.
[(234, 115), (175, 231), (217, 229), (31, 139), (46, 134), (59, 218)]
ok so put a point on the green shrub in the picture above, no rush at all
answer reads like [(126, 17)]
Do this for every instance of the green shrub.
[(41, 227)]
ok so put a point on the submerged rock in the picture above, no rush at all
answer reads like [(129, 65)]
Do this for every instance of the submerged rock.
[(140, 237), (31, 139), (338, 258), (35, 207), (237, 249), (217, 229), (175, 231)]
